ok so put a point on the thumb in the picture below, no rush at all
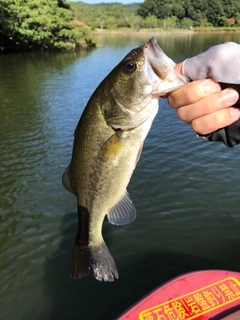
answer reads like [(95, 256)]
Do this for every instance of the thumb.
[(178, 67)]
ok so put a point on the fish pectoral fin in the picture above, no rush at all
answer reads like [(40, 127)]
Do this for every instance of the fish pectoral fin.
[(66, 181), (123, 212)]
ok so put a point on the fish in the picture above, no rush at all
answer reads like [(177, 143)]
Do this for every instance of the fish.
[(108, 142)]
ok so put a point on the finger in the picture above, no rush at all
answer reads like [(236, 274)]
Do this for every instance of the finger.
[(208, 104), (178, 67), (216, 120), (193, 92)]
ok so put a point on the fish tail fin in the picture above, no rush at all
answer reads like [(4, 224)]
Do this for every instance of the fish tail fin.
[(80, 261), (81, 255), (86, 255), (102, 263)]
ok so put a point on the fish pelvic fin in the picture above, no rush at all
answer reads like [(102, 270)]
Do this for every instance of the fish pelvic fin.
[(123, 212), (87, 255), (81, 255)]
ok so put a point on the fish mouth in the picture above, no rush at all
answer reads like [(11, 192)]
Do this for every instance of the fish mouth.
[(159, 61), (160, 69)]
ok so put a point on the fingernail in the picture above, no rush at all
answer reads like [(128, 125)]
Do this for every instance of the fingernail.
[(211, 86), (234, 113), (230, 96)]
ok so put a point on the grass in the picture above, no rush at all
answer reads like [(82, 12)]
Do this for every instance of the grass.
[(219, 29), (165, 30), (130, 30)]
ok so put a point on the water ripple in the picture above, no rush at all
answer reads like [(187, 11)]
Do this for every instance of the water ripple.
[(186, 191)]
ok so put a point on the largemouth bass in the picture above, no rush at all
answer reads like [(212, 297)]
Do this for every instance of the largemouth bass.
[(107, 145)]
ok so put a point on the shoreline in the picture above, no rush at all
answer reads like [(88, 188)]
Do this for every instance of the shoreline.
[(123, 32), (8, 46)]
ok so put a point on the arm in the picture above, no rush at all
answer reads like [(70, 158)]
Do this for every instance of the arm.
[(202, 103)]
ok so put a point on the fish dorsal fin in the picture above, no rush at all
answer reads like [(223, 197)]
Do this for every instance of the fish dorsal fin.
[(66, 181), (123, 212)]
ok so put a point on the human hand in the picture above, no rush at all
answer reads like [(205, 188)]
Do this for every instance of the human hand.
[(202, 104)]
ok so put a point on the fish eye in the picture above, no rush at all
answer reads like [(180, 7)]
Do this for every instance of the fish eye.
[(129, 66)]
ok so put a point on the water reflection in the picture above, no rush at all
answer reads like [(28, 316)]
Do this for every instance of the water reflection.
[(186, 198), (29, 169)]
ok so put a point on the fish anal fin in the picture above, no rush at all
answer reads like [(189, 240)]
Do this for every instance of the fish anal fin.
[(66, 180), (123, 212), (80, 261)]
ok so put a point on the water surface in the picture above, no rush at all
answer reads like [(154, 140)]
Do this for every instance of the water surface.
[(186, 190)]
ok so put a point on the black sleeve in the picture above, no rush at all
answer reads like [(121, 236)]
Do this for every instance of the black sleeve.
[(229, 135)]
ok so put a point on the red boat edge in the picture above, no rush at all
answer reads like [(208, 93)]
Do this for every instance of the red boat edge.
[(201, 295)]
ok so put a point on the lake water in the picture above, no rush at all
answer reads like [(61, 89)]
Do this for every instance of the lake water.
[(186, 190)]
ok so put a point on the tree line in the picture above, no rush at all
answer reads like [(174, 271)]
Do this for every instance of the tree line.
[(106, 15), (216, 13), (50, 24), (159, 13)]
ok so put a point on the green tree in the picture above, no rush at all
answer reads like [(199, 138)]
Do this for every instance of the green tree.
[(232, 10), (187, 23), (200, 12), (179, 11), (41, 23), (102, 15), (215, 13), (231, 7), (150, 22), (158, 8), (196, 10), (153, 13)]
